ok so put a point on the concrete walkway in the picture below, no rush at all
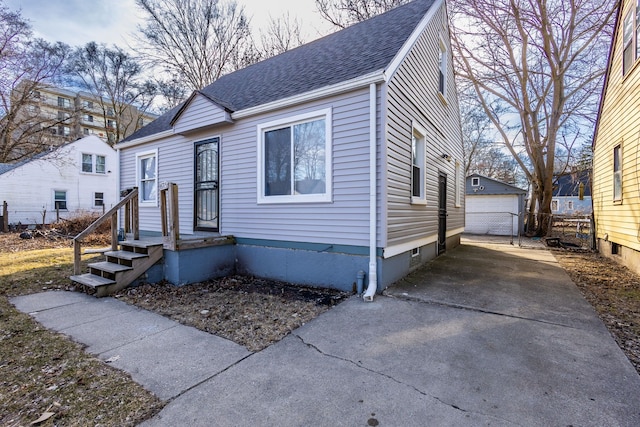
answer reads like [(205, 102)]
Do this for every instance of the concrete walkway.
[(484, 335)]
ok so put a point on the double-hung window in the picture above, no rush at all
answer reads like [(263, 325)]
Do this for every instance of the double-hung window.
[(87, 163), (630, 36), (98, 199), (442, 69), (418, 160), (294, 161), (93, 163), (60, 199), (147, 172), (617, 174)]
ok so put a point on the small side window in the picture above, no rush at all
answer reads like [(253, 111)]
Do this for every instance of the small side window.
[(475, 181), (60, 200)]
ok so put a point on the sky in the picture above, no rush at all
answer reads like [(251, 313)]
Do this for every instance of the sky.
[(77, 22)]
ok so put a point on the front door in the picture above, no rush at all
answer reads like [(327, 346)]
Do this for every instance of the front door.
[(206, 196), (442, 213)]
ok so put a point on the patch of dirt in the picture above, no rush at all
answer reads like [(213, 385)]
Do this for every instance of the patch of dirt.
[(250, 311), (613, 290)]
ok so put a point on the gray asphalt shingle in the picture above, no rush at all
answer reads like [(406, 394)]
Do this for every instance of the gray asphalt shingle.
[(348, 54)]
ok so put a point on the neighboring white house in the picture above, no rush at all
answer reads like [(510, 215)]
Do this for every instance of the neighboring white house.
[(493, 207), (78, 176)]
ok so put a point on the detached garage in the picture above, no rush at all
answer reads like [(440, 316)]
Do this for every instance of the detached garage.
[(493, 207)]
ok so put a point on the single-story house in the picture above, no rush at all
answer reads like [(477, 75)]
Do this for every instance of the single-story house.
[(572, 194), (79, 176), (616, 145), (338, 157), (493, 207)]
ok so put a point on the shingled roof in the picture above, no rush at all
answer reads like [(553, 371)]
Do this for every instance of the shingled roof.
[(354, 52)]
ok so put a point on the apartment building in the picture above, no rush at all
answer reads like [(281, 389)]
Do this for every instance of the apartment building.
[(71, 115)]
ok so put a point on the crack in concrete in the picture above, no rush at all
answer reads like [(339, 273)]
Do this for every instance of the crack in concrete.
[(359, 365), (475, 309), (237, 362)]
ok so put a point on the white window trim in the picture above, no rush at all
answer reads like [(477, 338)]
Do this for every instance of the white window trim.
[(422, 200), (617, 173), (475, 181), (557, 203), (290, 121), (95, 199), (443, 61), (139, 157), (94, 164), (66, 198)]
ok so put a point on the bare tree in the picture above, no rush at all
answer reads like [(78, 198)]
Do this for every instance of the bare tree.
[(25, 66), (343, 13), (536, 67), (196, 40), (114, 79), (172, 92), (282, 34)]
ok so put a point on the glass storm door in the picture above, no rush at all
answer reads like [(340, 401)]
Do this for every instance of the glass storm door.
[(206, 185)]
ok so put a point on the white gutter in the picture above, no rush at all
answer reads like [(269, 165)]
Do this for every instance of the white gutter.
[(373, 177), (145, 139)]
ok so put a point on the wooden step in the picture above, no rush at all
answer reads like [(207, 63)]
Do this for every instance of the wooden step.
[(127, 255), (93, 282), (109, 267)]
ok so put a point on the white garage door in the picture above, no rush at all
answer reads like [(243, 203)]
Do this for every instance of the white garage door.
[(491, 214)]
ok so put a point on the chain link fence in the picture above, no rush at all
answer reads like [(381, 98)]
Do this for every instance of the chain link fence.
[(16, 219), (565, 231)]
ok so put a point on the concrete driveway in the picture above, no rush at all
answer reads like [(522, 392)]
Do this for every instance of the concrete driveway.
[(484, 335)]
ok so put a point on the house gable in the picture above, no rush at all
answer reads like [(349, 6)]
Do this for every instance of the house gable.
[(199, 112), (478, 185), (362, 50)]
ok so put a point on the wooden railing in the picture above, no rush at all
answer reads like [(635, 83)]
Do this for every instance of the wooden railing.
[(169, 215), (131, 225)]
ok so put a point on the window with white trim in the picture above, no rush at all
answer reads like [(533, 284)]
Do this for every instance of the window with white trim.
[(147, 173), (98, 199), (294, 161), (60, 200), (442, 69), (569, 205), (554, 205), (91, 163), (475, 181), (458, 181), (617, 173), (418, 160), (630, 36)]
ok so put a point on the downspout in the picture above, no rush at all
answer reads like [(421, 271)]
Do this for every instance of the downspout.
[(117, 172), (373, 176)]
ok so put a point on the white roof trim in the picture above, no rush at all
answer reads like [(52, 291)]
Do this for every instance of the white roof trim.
[(362, 81), (408, 45), (145, 139)]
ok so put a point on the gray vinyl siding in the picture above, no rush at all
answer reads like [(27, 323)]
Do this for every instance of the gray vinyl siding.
[(200, 113), (175, 164), (412, 94), (344, 221)]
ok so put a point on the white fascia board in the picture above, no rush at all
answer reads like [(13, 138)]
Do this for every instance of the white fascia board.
[(408, 45), (145, 139), (362, 81)]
